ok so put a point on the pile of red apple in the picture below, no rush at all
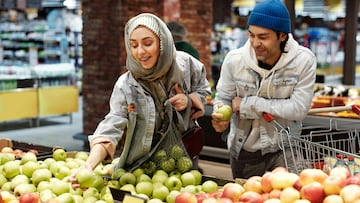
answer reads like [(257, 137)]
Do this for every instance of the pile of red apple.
[(282, 186)]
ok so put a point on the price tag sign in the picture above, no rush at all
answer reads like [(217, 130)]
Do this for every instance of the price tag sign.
[(133, 199)]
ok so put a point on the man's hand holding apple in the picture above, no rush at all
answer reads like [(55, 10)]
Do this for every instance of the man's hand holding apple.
[(221, 118)]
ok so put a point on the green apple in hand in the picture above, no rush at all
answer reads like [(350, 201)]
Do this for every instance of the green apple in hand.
[(226, 111), (85, 177)]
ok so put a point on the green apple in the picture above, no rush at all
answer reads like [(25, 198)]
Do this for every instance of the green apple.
[(54, 166), (159, 156), (168, 165), (24, 188), (90, 199), (41, 174), (143, 178), (5, 157), (226, 111), (117, 173), (19, 179), (177, 151), (6, 186), (175, 173), (209, 186), (85, 177), (173, 183), (162, 172), (82, 155), (129, 188), (155, 200), (113, 184), (11, 169), (72, 164), (189, 188), (127, 178), (76, 190), (43, 164), (3, 180), (43, 185), (28, 156), (187, 178), (138, 171), (59, 187), (144, 188), (160, 178), (49, 161), (160, 192), (61, 172), (91, 192), (98, 183), (149, 167), (78, 198), (172, 195), (29, 167), (59, 154), (46, 195), (198, 176), (66, 198), (184, 164)]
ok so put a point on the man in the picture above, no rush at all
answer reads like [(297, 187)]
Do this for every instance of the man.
[(271, 73), (179, 33)]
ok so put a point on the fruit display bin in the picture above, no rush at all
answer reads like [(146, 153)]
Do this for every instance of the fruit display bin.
[(42, 151)]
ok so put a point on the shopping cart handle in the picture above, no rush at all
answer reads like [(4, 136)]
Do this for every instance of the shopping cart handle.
[(355, 108), (268, 117)]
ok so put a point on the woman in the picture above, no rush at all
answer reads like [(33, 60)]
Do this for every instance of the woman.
[(156, 73)]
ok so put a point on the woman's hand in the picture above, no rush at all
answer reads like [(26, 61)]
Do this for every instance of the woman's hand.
[(179, 101), (236, 105)]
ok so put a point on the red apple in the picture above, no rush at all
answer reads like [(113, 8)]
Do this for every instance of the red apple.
[(350, 193), (279, 168), (251, 197), (353, 180), (186, 197), (275, 193), (297, 185), (272, 200), (216, 194), (224, 200), (31, 197), (210, 200), (233, 192), (289, 195), (310, 175), (253, 184), (314, 192), (266, 182), (333, 184), (333, 199), (201, 196), (340, 171)]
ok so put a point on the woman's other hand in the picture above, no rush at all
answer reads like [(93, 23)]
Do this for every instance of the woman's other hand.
[(179, 101)]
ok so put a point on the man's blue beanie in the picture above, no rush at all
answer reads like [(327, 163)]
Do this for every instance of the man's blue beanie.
[(271, 14)]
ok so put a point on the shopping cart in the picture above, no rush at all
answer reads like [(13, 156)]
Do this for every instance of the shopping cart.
[(318, 146)]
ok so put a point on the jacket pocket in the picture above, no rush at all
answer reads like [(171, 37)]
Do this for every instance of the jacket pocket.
[(283, 85), (245, 88)]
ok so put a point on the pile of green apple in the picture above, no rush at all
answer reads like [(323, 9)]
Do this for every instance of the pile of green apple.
[(28, 179), (169, 159)]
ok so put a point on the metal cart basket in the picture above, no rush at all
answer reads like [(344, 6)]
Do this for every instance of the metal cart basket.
[(319, 146)]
